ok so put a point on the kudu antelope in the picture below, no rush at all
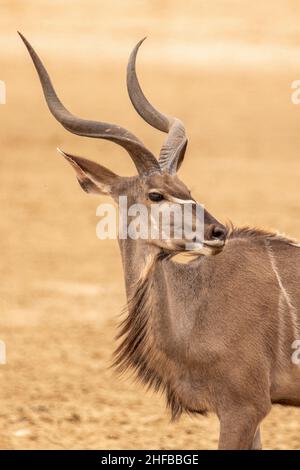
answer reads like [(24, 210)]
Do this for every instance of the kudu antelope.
[(214, 334)]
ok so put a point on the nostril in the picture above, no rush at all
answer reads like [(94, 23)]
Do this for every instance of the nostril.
[(218, 233)]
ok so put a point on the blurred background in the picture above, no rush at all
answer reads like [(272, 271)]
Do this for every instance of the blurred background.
[(225, 68)]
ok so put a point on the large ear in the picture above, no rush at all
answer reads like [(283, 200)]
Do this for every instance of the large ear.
[(92, 177)]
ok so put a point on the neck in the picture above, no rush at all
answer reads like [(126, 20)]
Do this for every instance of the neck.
[(137, 258), (158, 322)]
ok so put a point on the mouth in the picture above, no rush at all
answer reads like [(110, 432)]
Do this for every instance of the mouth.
[(206, 248), (218, 244)]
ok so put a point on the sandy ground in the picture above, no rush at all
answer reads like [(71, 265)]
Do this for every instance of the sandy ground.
[(225, 68)]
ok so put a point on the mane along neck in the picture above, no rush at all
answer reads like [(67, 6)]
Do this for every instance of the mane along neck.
[(134, 347), (253, 233), (138, 350)]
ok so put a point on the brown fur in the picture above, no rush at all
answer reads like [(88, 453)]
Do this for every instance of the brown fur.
[(134, 351)]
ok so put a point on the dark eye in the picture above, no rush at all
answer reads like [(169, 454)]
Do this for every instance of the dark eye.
[(156, 197)]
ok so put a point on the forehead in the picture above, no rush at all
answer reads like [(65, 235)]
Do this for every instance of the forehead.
[(168, 184)]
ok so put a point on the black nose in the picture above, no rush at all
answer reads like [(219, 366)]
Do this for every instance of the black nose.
[(218, 232)]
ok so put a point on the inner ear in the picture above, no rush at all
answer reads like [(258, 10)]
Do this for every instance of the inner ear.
[(92, 177)]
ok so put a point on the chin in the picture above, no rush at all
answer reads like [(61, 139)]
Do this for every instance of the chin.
[(211, 248)]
